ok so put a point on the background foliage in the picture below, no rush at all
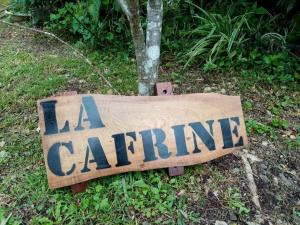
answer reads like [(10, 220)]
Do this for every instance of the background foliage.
[(198, 32)]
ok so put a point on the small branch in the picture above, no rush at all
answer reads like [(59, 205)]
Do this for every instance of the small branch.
[(69, 46), (125, 8), (252, 186)]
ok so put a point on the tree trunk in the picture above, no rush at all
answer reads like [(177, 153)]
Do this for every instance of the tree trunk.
[(147, 51)]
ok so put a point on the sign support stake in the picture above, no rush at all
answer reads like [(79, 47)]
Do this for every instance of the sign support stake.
[(165, 88), (80, 187)]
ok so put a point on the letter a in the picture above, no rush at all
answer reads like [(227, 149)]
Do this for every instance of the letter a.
[(93, 116), (98, 153)]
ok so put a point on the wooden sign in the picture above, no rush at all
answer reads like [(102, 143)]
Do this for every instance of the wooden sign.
[(89, 136)]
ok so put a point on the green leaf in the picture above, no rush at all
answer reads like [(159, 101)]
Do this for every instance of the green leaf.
[(75, 26), (93, 9), (109, 36), (140, 184), (261, 11), (104, 205), (105, 2)]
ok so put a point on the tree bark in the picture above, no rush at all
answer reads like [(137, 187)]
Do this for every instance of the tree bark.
[(147, 51), (153, 40)]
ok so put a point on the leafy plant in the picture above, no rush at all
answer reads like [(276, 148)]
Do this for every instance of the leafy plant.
[(280, 123), (4, 157), (248, 105), (218, 34), (41, 221), (20, 6), (254, 126), (91, 21), (178, 20), (221, 38), (293, 144), (276, 67), (233, 199), (274, 40)]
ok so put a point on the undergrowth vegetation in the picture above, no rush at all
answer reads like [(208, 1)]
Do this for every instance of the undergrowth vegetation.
[(213, 34), (229, 34)]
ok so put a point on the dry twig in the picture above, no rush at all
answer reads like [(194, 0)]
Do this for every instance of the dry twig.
[(251, 183)]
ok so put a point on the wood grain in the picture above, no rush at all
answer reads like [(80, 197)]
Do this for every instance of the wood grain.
[(123, 114)]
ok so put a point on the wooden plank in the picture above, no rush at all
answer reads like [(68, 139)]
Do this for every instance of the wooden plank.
[(89, 136), (165, 88)]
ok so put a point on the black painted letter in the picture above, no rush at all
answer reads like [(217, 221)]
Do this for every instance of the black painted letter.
[(148, 145), (53, 158), (95, 146), (227, 132), (205, 136), (89, 105), (50, 118), (121, 147), (180, 140)]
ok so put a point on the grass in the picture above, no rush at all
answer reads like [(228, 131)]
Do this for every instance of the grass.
[(29, 72)]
